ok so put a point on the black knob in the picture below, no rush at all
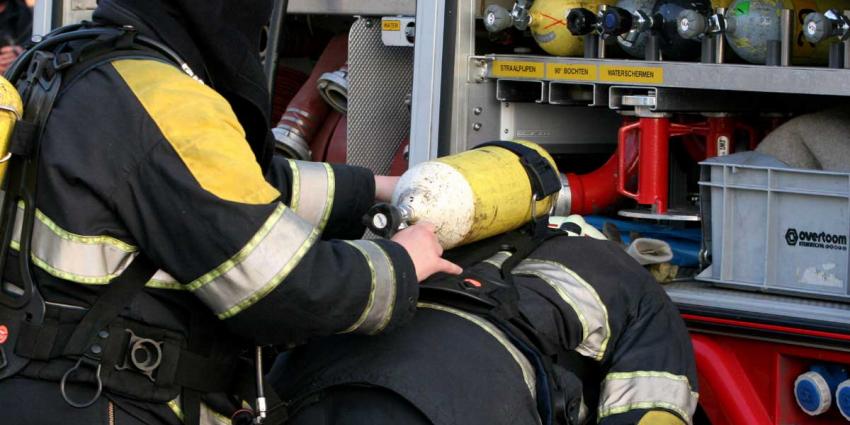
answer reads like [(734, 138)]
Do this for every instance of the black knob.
[(384, 220), (616, 21), (581, 21)]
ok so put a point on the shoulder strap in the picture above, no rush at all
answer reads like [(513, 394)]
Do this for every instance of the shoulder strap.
[(118, 295)]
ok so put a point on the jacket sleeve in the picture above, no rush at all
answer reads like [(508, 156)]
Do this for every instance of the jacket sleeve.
[(343, 192), (200, 207), (614, 314)]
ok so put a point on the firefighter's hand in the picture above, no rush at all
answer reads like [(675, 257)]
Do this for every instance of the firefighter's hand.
[(421, 244), (384, 187)]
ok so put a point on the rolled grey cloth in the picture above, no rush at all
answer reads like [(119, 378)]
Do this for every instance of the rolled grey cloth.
[(817, 141), (650, 251)]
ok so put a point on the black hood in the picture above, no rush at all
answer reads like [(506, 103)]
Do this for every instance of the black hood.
[(220, 40)]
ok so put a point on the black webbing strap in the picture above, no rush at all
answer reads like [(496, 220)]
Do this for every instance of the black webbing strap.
[(544, 178), (120, 292)]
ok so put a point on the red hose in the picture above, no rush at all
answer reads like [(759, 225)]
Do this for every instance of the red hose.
[(338, 146), (722, 371), (595, 191), (307, 110), (286, 85), (322, 140)]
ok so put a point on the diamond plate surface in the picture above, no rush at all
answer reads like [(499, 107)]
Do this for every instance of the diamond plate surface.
[(380, 77)]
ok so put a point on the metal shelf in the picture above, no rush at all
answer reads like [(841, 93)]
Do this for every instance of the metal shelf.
[(685, 75), (736, 302), (353, 7)]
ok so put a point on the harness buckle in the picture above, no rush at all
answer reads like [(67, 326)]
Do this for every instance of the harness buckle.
[(88, 362), (144, 355)]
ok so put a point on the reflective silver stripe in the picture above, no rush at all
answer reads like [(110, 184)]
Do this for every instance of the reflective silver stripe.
[(68, 256), (583, 299), (379, 309), (259, 266), (312, 191), (498, 259), (163, 280), (523, 363), (625, 391)]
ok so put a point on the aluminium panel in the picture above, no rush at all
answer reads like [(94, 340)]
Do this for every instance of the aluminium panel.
[(380, 81)]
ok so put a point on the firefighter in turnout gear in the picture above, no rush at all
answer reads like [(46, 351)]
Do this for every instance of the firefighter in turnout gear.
[(167, 240), (579, 333)]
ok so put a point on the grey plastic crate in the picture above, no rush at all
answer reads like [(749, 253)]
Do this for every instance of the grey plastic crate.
[(775, 228)]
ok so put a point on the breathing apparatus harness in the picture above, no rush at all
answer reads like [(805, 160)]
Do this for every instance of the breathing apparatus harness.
[(498, 300), (124, 356)]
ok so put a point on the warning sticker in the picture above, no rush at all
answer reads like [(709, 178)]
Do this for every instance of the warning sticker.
[(4, 334), (391, 25), (518, 69), (631, 74), (581, 72)]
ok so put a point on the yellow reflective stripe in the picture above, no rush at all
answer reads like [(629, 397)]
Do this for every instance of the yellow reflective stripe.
[(175, 407), (625, 391), (88, 260), (379, 308), (201, 127), (313, 191), (44, 265), (163, 280), (88, 240), (209, 416), (581, 297), (524, 365), (259, 267), (93, 260), (243, 253), (296, 185)]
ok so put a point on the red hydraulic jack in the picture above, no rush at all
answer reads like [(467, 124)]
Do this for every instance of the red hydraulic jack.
[(718, 136), (652, 133)]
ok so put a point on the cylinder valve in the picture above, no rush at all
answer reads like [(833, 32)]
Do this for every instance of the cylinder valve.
[(820, 26), (581, 21), (616, 21), (497, 18), (691, 24)]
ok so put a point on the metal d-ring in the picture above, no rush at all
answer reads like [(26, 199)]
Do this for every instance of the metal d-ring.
[(65, 396), (6, 157)]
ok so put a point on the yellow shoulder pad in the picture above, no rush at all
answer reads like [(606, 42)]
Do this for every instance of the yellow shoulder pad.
[(201, 127)]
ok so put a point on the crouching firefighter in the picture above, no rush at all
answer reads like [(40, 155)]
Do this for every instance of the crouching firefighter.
[(540, 328), (150, 239)]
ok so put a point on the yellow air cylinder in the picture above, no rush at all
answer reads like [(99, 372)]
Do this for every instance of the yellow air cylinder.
[(471, 195), (549, 25), (11, 109)]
